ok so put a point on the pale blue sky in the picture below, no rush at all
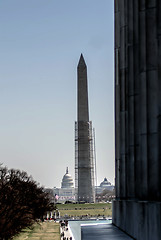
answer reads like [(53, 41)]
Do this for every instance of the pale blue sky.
[(40, 44)]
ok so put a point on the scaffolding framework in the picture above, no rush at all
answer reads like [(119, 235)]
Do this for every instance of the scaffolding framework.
[(84, 162)]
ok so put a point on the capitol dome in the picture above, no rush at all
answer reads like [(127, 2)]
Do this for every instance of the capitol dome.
[(67, 181)]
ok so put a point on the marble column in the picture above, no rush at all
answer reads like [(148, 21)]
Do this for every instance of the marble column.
[(137, 114)]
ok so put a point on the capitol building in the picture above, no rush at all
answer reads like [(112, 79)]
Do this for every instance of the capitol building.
[(67, 191)]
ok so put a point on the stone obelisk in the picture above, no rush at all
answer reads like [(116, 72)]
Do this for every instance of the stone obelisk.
[(84, 164)]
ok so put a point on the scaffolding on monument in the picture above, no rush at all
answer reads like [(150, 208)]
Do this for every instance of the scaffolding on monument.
[(92, 158)]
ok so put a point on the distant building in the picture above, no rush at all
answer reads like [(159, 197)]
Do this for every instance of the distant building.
[(105, 185), (67, 190)]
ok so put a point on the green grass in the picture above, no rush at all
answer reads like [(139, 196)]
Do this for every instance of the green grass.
[(50, 230), (43, 231), (85, 206), (90, 209)]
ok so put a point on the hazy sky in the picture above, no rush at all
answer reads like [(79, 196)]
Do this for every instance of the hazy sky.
[(40, 44)]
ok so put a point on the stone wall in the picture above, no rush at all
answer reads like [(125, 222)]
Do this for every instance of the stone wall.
[(137, 115)]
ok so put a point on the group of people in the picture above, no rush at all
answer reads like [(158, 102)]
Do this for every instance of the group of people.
[(64, 227)]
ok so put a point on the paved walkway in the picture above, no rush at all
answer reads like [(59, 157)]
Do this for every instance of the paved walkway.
[(67, 233), (102, 232)]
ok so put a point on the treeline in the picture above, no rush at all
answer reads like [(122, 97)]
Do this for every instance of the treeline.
[(106, 195), (22, 202)]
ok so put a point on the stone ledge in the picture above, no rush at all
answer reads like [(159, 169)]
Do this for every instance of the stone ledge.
[(140, 219)]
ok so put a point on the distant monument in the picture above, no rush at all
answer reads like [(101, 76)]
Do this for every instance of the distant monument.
[(137, 208), (67, 190), (84, 164), (67, 181)]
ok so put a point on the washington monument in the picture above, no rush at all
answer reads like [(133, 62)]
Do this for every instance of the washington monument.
[(84, 167)]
